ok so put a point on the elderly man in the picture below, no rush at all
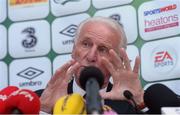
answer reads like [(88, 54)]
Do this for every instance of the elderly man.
[(99, 42)]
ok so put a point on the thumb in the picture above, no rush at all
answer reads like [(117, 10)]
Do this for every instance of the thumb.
[(71, 70)]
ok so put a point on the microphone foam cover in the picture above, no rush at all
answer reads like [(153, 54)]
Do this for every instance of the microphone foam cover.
[(8, 90), (128, 94), (91, 72), (26, 101), (4, 93), (70, 104), (158, 95)]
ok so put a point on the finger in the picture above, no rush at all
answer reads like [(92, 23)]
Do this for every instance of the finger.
[(116, 59), (59, 72), (66, 66), (137, 65), (72, 70), (108, 65), (125, 59)]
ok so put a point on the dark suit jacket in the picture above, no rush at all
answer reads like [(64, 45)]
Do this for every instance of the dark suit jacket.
[(121, 107)]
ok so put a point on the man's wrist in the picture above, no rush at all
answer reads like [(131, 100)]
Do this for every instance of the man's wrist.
[(140, 100), (46, 109)]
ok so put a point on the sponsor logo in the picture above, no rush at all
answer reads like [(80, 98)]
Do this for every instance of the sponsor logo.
[(63, 2), (30, 40), (23, 2), (162, 22), (68, 42), (70, 30), (164, 59), (109, 3), (31, 83), (160, 10), (30, 73), (117, 18)]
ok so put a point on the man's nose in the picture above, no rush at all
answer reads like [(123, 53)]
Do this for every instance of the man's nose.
[(92, 54)]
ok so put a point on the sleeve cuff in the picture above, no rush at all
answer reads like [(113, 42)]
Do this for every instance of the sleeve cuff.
[(42, 113)]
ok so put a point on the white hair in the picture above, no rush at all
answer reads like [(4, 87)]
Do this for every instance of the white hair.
[(110, 22)]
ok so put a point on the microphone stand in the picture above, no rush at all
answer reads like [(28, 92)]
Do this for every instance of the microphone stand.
[(93, 99)]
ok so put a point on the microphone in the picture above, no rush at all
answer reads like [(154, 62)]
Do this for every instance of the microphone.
[(4, 94), (91, 79), (128, 95), (70, 104), (22, 102), (158, 96)]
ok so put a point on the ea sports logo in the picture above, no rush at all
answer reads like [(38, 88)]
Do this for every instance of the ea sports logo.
[(163, 59)]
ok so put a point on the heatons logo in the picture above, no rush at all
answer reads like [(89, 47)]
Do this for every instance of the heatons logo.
[(160, 10), (169, 19), (24, 2)]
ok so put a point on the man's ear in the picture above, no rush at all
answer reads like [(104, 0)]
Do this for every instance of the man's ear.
[(73, 52)]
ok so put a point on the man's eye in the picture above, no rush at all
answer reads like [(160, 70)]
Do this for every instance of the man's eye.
[(86, 44), (103, 50)]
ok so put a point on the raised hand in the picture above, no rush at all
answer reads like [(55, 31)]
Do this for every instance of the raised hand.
[(124, 78), (57, 86)]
